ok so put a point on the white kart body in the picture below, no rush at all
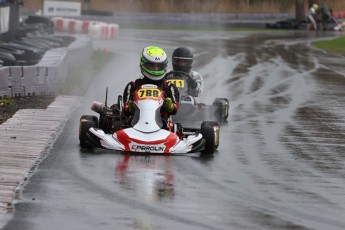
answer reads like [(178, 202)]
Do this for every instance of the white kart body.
[(146, 135)]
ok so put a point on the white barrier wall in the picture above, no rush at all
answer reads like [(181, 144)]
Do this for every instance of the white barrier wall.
[(47, 76), (31, 81), (5, 82), (16, 74)]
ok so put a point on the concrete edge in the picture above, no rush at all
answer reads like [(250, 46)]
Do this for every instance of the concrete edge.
[(18, 163)]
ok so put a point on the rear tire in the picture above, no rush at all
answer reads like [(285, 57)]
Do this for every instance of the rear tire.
[(210, 133), (90, 118), (215, 127), (86, 122), (222, 110)]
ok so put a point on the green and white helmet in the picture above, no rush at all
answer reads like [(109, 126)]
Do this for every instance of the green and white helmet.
[(153, 62)]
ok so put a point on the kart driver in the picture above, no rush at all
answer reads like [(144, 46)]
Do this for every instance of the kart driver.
[(153, 66), (182, 61)]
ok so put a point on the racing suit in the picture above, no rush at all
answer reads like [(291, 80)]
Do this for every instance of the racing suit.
[(170, 91), (197, 77)]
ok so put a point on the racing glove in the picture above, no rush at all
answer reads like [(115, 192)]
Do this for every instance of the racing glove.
[(168, 105), (131, 106), (192, 83)]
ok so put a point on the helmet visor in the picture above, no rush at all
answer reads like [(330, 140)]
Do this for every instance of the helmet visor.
[(155, 66), (182, 62)]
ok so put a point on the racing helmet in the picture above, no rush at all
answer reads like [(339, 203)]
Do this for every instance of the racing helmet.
[(315, 6), (182, 59), (153, 62)]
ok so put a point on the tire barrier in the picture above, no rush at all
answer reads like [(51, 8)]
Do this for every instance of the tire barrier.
[(47, 76), (97, 30)]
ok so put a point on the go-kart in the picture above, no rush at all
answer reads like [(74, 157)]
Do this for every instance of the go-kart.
[(143, 131), (191, 112)]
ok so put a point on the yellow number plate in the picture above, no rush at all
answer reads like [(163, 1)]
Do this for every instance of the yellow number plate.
[(178, 82), (148, 93)]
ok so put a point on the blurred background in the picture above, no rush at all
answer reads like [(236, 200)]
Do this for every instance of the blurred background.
[(225, 10), (191, 6)]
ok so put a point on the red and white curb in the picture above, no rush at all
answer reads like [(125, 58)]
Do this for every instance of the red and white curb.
[(95, 29)]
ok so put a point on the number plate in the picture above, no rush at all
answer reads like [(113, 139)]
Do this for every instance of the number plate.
[(148, 93), (178, 82)]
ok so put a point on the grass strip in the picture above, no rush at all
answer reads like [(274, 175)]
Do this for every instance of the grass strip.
[(336, 45)]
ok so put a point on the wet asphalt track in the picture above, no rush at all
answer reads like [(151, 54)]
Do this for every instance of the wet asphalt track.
[(280, 163)]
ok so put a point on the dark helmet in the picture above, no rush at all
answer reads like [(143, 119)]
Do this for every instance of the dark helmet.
[(182, 59)]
